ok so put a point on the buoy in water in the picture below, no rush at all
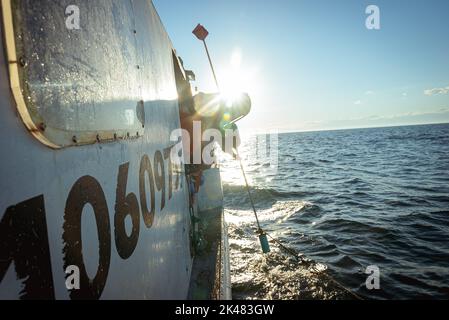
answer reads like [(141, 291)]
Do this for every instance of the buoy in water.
[(264, 242)]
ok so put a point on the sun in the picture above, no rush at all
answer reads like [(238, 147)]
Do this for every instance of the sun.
[(236, 78)]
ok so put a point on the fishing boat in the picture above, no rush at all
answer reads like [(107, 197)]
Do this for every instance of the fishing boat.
[(93, 203)]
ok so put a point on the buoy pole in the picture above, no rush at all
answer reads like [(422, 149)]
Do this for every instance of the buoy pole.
[(262, 235), (249, 193), (211, 65), (201, 33)]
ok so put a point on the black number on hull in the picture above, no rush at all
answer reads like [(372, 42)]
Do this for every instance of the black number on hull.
[(167, 156), (24, 241), (87, 190), (24, 235), (159, 175), (125, 205), (146, 170)]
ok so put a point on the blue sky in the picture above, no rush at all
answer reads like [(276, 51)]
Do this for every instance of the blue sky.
[(312, 65)]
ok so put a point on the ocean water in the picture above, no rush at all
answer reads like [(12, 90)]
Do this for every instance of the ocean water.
[(344, 200)]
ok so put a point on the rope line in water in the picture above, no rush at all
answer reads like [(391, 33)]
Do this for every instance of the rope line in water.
[(280, 244)]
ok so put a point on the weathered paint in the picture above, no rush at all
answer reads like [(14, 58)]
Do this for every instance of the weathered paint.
[(160, 265), (210, 195)]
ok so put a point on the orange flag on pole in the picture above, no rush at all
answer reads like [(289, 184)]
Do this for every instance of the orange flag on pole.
[(200, 32)]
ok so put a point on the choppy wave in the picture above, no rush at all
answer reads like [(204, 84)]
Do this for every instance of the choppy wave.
[(346, 200)]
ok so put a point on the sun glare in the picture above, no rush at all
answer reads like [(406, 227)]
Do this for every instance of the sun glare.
[(235, 78)]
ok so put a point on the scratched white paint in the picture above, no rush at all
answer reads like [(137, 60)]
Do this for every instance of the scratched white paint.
[(160, 265)]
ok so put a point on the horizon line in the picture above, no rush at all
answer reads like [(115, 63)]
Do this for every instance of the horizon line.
[(245, 132)]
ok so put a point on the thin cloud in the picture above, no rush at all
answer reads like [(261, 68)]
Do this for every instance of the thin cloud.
[(358, 102), (434, 91)]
